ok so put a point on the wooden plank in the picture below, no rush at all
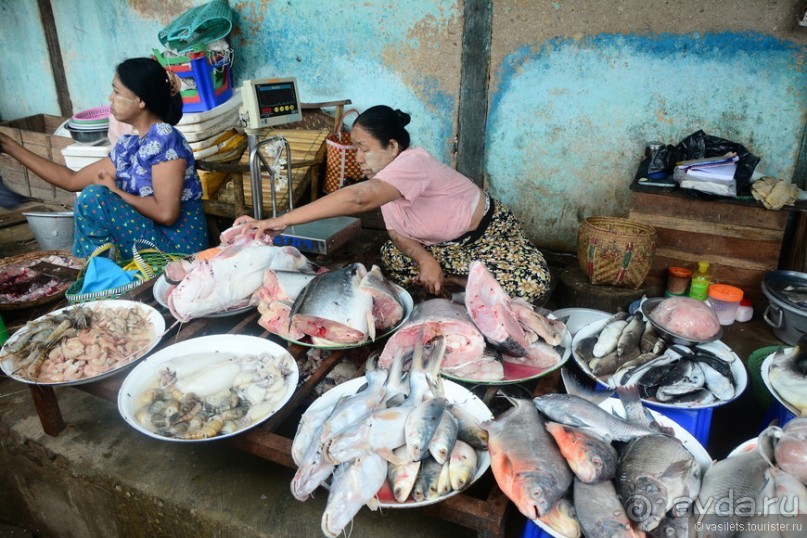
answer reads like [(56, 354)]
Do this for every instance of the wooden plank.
[(677, 207), (47, 407), (682, 224), (760, 254)]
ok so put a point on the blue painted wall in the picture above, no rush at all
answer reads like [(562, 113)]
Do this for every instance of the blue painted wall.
[(576, 87)]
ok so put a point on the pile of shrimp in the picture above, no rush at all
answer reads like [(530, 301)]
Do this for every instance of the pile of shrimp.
[(82, 343)]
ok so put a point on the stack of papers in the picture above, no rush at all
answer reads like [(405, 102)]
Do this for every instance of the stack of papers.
[(714, 174)]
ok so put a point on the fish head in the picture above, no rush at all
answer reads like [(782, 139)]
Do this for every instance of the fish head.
[(534, 493), (647, 504)]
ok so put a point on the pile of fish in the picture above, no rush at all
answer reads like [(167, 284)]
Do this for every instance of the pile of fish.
[(202, 395), (788, 375), (629, 351), (581, 470), (344, 306), (760, 491), (400, 431), (487, 329), (225, 277)]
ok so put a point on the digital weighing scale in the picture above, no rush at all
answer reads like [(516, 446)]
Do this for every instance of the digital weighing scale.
[(270, 102)]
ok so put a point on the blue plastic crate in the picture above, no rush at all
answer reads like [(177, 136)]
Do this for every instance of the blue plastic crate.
[(697, 422), (206, 81), (776, 412), (531, 530)]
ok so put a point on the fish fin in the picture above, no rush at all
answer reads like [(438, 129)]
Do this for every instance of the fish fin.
[(575, 386), (676, 469), (371, 325), (391, 457)]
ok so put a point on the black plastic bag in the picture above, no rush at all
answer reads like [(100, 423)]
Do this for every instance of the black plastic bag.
[(700, 145)]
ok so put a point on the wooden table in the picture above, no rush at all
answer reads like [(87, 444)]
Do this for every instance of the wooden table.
[(482, 507)]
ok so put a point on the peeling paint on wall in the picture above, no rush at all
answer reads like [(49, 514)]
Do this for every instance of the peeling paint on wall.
[(574, 113)]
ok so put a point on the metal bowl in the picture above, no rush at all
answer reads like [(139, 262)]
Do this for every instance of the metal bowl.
[(87, 136), (650, 304)]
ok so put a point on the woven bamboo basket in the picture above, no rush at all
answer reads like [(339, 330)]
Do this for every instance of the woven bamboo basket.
[(615, 252)]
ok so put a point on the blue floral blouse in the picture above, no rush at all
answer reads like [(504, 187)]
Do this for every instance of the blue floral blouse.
[(134, 156)]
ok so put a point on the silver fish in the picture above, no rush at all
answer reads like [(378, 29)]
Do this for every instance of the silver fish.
[(576, 411), (421, 423), (609, 337), (354, 484), (445, 435), (402, 476), (649, 338), (469, 428), (430, 471), (525, 461), (462, 465), (656, 472), (599, 511), (334, 308)]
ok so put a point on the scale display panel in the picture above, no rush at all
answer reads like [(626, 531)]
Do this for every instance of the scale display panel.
[(269, 102)]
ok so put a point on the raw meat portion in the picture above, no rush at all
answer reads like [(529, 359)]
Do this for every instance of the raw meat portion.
[(686, 317)]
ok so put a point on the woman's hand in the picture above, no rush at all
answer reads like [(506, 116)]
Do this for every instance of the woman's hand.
[(4, 139), (257, 228), (430, 275), (243, 219), (105, 178)]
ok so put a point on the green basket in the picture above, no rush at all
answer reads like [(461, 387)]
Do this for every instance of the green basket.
[(149, 262), (198, 26), (754, 363)]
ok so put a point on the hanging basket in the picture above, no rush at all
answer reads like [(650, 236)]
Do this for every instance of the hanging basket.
[(615, 252)]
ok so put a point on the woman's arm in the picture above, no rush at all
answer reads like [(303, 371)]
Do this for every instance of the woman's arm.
[(55, 174), (163, 207), (358, 198), (430, 274)]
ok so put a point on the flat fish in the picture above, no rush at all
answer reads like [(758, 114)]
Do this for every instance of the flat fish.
[(526, 463), (333, 307), (489, 307)]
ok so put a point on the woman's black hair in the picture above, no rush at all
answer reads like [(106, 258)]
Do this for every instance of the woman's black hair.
[(385, 124), (150, 82)]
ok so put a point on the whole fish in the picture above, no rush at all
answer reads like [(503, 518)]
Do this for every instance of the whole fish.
[(579, 412), (230, 278), (420, 425), (333, 307), (590, 458), (462, 465), (672, 527), (430, 476), (489, 307), (609, 337), (788, 374), (563, 519), (387, 309), (655, 473), (354, 484), (650, 338), (430, 319), (469, 428), (743, 476), (599, 510), (631, 336), (685, 377), (525, 461), (442, 442), (402, 476)]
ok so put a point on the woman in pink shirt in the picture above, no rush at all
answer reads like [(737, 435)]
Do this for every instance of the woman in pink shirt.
[(438, 220)]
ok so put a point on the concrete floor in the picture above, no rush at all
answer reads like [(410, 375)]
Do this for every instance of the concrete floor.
[(100, 478)]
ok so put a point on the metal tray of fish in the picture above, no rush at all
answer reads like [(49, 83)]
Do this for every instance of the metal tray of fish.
[(765, 371), (162, 288), (614, 406), (519, 373), (405, 299), (78, 362), (235, 382), (717, 348), (647, 308), (454, 393)]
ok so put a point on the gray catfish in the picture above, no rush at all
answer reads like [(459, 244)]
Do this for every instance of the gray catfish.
[(525, 461), (334, 308)]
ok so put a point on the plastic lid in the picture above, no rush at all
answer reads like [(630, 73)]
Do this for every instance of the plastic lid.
[(746, 302), (724, 292), (681, 272)]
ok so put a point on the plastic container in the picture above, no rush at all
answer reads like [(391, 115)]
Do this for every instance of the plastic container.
[(745, 311), (725, 301), (678, 280), (206, 82), (697, 422), (777, 413), (699, 287), (52, 231)]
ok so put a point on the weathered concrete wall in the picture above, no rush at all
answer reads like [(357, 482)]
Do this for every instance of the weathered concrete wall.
[(576, 89)]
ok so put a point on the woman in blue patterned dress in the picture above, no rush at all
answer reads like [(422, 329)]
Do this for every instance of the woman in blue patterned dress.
[(148, 188)]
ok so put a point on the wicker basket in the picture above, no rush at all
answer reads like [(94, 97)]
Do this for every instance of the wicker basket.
[(615, 252)]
